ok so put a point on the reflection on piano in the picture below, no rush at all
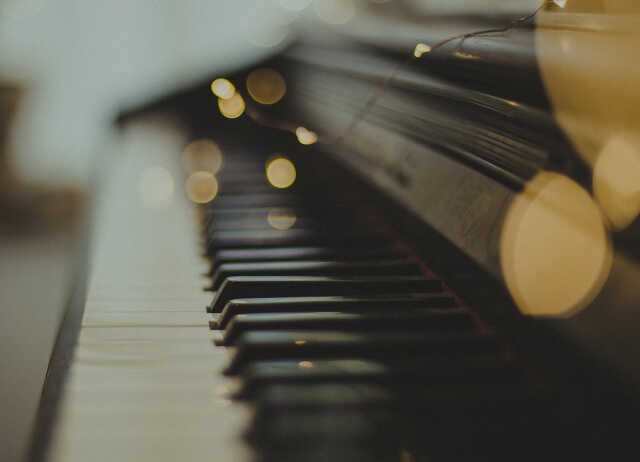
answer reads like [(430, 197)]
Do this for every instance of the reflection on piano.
[(454, 280)]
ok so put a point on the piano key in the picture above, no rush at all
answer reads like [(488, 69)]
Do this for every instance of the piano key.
[(378, 267), (209, 215), (327, 452), (480, 400), (476, 369), (439, 408), (261, 223), (236, 287), (331, 303), (327, 427), (440, 413), (291, 237), (417, 319), (243, 164), (456, 401), (282, 397), (309, 345), (273, 199), (228, 186), (303, 253), (274, 218)]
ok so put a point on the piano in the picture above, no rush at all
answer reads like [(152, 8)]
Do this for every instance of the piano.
[(448, 275)]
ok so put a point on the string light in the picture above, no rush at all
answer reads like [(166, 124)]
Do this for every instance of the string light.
[(266, 86), (233, 107), (281, 219), (419, 51), (497, 30), (306, 136), (203, 154), (421, 48), (201, 187), (281, 173), (222, 88)]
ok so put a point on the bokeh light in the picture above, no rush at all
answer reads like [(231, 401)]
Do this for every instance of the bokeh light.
[(306, 136), (222, 88), (233, 107), (266, 86), (616, 180), (591, 79), (204, 155), (420, 49), (281, 219), (201, 187), (554, 248), (281, 173)]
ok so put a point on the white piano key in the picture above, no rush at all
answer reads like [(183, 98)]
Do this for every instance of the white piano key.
[(145, 382)]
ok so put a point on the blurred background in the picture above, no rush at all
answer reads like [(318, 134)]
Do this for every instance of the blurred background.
[(80, 62)]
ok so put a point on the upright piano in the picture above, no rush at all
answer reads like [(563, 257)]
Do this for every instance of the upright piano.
[(408, 252)]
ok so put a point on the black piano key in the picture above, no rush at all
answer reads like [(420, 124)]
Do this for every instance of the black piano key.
[(485, 400), (228, 186), (270, 219), (257, 224), (272, 199), (413, 320), (257, 220), (243, 164), (309, 345), (211, 215), (436, 417), (291, 237), (396, 373), (426, 418), (324, 304), (316, 268), (312, 286), (282, 397), (303, 253), (418, 402), (331, 453), (327, 427)]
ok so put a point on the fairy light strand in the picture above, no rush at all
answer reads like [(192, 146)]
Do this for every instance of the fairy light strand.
[(423, 49), (420, 50)]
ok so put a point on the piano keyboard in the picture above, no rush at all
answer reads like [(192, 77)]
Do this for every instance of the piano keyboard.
[(348, 348), (325, 338)]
